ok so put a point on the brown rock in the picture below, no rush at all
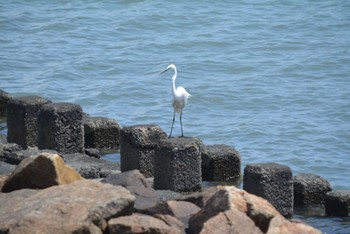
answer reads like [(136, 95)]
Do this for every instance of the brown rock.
[(260, 210), (137, 184), (3, 178), (144, 197), (84, 206), (280, 225), (236, 210), (231, 221), (171, 221), (225, 199), (140, 223), (40, 172), (128, 178), (181, 210), (199, 198)]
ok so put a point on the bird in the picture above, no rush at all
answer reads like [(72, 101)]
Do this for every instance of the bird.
[(180, 98)]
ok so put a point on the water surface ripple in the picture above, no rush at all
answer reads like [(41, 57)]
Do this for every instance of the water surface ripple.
[(270, 78)]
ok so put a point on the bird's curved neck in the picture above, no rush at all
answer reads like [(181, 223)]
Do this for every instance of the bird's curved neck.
[(174, 78)]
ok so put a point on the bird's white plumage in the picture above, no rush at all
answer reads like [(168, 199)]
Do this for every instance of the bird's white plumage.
[(180, 97)]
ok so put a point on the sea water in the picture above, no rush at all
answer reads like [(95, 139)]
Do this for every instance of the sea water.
[(270, 78)]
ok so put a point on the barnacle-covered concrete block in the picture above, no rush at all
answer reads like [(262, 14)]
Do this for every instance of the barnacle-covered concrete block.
[(337, 203), (271, 181), (177, 165), (60, 128), (137, 147), (310, 189), (220, 163), (101, 133), (22, 120)]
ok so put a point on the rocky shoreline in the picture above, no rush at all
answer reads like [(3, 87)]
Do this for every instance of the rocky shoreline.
[(53, 179)]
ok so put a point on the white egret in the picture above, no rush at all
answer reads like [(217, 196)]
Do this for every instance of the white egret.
[(180, 96)]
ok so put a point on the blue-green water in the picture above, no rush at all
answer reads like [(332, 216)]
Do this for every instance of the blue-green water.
[(270, 78)]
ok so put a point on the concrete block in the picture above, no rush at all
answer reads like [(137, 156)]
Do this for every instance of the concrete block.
[(60, 128), (177, 165), (310, 189), (137, 147), (22, 120), (273, 182), (220, 163), (101, 133), (4, 99), (337, 203)]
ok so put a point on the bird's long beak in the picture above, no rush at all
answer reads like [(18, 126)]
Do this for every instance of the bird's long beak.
[(164, 71)]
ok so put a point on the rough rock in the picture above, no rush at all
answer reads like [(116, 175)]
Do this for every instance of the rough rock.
[(140, 223), (15, 157), (310, 189), (177, 165), (4, 99), (280, 225), (182, 210), (179, 209), (231, 221), (84, 206), (90, 167), (8, 147), (6, 168), (232, 210), (101, 133), (225, 204), (136, 183), (60, 127), (165, 195), (337, 203), (273, 182), (40, 172), (137, 147), (126, 179), (198, 198), (220, 163), (93, 152), (22, 120), (3, 178)]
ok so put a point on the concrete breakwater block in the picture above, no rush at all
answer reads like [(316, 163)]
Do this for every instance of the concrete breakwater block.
[(60, 128), (22, 120), (137, 147), (101, 133), (177, 165), (220, 163), (4, 99), (310, 189), (337, 203), (271, 181)]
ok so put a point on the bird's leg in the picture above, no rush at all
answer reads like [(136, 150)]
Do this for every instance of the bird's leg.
[(182, 132), (172, 125)]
